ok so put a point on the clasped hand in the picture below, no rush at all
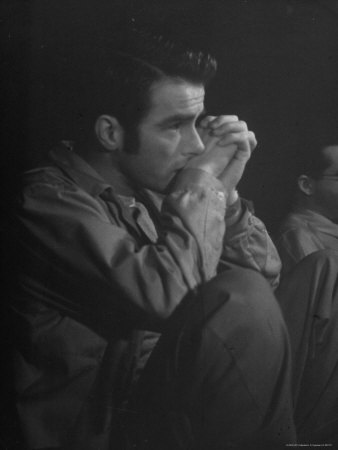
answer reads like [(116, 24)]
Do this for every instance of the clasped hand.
[(228, 147)]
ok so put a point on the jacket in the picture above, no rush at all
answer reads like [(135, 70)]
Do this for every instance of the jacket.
[(100, 270)]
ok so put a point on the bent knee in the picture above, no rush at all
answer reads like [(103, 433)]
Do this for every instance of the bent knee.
[(240, 304), (240, 280), (238, 288)]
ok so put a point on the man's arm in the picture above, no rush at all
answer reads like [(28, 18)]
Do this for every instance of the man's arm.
[(247, 242), (76, 256), (228, 147)]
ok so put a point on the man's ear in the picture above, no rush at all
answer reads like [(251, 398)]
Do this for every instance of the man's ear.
[(109, 132), (306, 184)]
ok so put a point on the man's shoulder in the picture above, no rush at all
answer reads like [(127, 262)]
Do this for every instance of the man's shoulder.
[(295, 231), (62, 169), (298, 234), (294, 222), (43, 177)]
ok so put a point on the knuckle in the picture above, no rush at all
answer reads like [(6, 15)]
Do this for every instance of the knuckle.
[(243, 124), (244, 135), (252, 137), (226, 118)]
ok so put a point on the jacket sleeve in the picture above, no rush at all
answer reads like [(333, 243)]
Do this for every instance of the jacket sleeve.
[(75, 257), (247, 243)]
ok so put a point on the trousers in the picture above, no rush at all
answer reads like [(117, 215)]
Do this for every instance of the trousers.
[(220, 376)]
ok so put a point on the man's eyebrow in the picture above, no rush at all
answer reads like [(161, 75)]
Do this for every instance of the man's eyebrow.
[(335, 174), (177, 118), (182, 118)]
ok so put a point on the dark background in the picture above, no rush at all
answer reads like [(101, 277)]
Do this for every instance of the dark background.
[(278, 70)]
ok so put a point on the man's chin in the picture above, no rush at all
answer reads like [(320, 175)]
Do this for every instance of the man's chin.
[(170, 185), (167, 187)]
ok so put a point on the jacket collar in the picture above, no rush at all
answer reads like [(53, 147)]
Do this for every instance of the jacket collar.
[(86, 176)]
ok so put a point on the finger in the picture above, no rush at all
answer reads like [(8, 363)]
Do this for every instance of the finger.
[(229, 127), (221, 120), (246, 140), (204, 134), (204, 123), (252, 140), (215, 121)]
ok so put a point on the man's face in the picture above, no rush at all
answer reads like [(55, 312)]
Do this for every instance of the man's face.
[(167, 135), (326, 188)]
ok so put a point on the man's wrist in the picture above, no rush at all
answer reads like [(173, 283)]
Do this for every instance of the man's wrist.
[(234, 210), (233, 197), (193, 176)]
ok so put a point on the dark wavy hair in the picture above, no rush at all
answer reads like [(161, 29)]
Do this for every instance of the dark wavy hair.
[(125, 72)]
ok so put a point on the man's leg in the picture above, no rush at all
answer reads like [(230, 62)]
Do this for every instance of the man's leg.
[(309, 300), (220, 376)]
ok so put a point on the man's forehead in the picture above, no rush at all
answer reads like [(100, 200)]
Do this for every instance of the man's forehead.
[(177, 94), (331, 153)]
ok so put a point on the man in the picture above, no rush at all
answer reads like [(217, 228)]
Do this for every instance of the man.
[(118, 229), (308, 244), (313, 222)]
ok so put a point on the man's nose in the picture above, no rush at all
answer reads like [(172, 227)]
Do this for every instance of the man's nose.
[(196, 144)]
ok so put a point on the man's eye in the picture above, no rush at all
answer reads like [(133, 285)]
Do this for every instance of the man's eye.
[(175, 126)]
